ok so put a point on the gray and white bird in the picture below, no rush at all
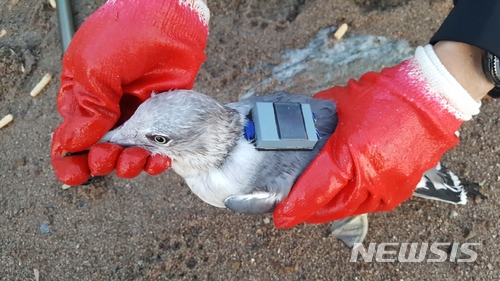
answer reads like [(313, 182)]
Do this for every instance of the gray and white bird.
[(206, 142)]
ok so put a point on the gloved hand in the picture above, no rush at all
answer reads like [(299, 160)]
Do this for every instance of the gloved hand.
[(393, 126), (121, 54)]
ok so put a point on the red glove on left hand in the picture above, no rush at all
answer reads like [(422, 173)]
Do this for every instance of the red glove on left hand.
[(121, 54)]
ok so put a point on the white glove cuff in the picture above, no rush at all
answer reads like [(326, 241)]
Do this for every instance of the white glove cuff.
[(443, 83)]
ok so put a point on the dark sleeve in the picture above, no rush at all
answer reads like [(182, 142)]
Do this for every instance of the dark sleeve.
[(475, 22)]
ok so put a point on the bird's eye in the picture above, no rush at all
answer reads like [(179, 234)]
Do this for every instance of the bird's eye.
[(159, 139)]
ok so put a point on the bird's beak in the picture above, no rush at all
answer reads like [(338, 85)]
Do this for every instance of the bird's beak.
[(107, 137), (115, 136)]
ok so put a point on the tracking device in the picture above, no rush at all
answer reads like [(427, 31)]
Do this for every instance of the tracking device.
[(284, 126)]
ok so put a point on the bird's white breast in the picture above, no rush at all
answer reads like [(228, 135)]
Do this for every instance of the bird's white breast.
[(235, 176)]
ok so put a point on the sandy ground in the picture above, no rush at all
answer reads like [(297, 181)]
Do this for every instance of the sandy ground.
[(153, 228)]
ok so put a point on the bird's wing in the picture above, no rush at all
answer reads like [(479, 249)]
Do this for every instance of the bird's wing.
[(441, 184)]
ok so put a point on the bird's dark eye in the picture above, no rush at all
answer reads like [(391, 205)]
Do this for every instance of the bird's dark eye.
[(159, 139)]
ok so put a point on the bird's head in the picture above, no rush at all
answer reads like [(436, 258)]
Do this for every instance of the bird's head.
[(194, 130)]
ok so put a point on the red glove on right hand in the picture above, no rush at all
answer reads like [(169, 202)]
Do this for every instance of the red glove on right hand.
[(121, 54), (393, 126)]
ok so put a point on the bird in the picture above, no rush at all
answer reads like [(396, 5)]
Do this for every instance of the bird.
[(207, 143)]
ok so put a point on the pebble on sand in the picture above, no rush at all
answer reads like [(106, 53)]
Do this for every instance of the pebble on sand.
[(44, 228)]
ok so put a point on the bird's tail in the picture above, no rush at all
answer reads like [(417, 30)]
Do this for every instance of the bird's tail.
[(441, 184)]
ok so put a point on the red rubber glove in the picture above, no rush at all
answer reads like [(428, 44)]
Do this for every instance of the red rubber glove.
[(121, 53), (392, 128)]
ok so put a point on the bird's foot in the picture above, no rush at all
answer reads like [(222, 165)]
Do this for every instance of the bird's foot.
[(351, 230)]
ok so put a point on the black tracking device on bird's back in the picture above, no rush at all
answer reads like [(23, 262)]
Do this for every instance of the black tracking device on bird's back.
[(283, 126)]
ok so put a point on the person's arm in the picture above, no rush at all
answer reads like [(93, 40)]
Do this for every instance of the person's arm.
[(392, 127), (396, 124), (464, 62)]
